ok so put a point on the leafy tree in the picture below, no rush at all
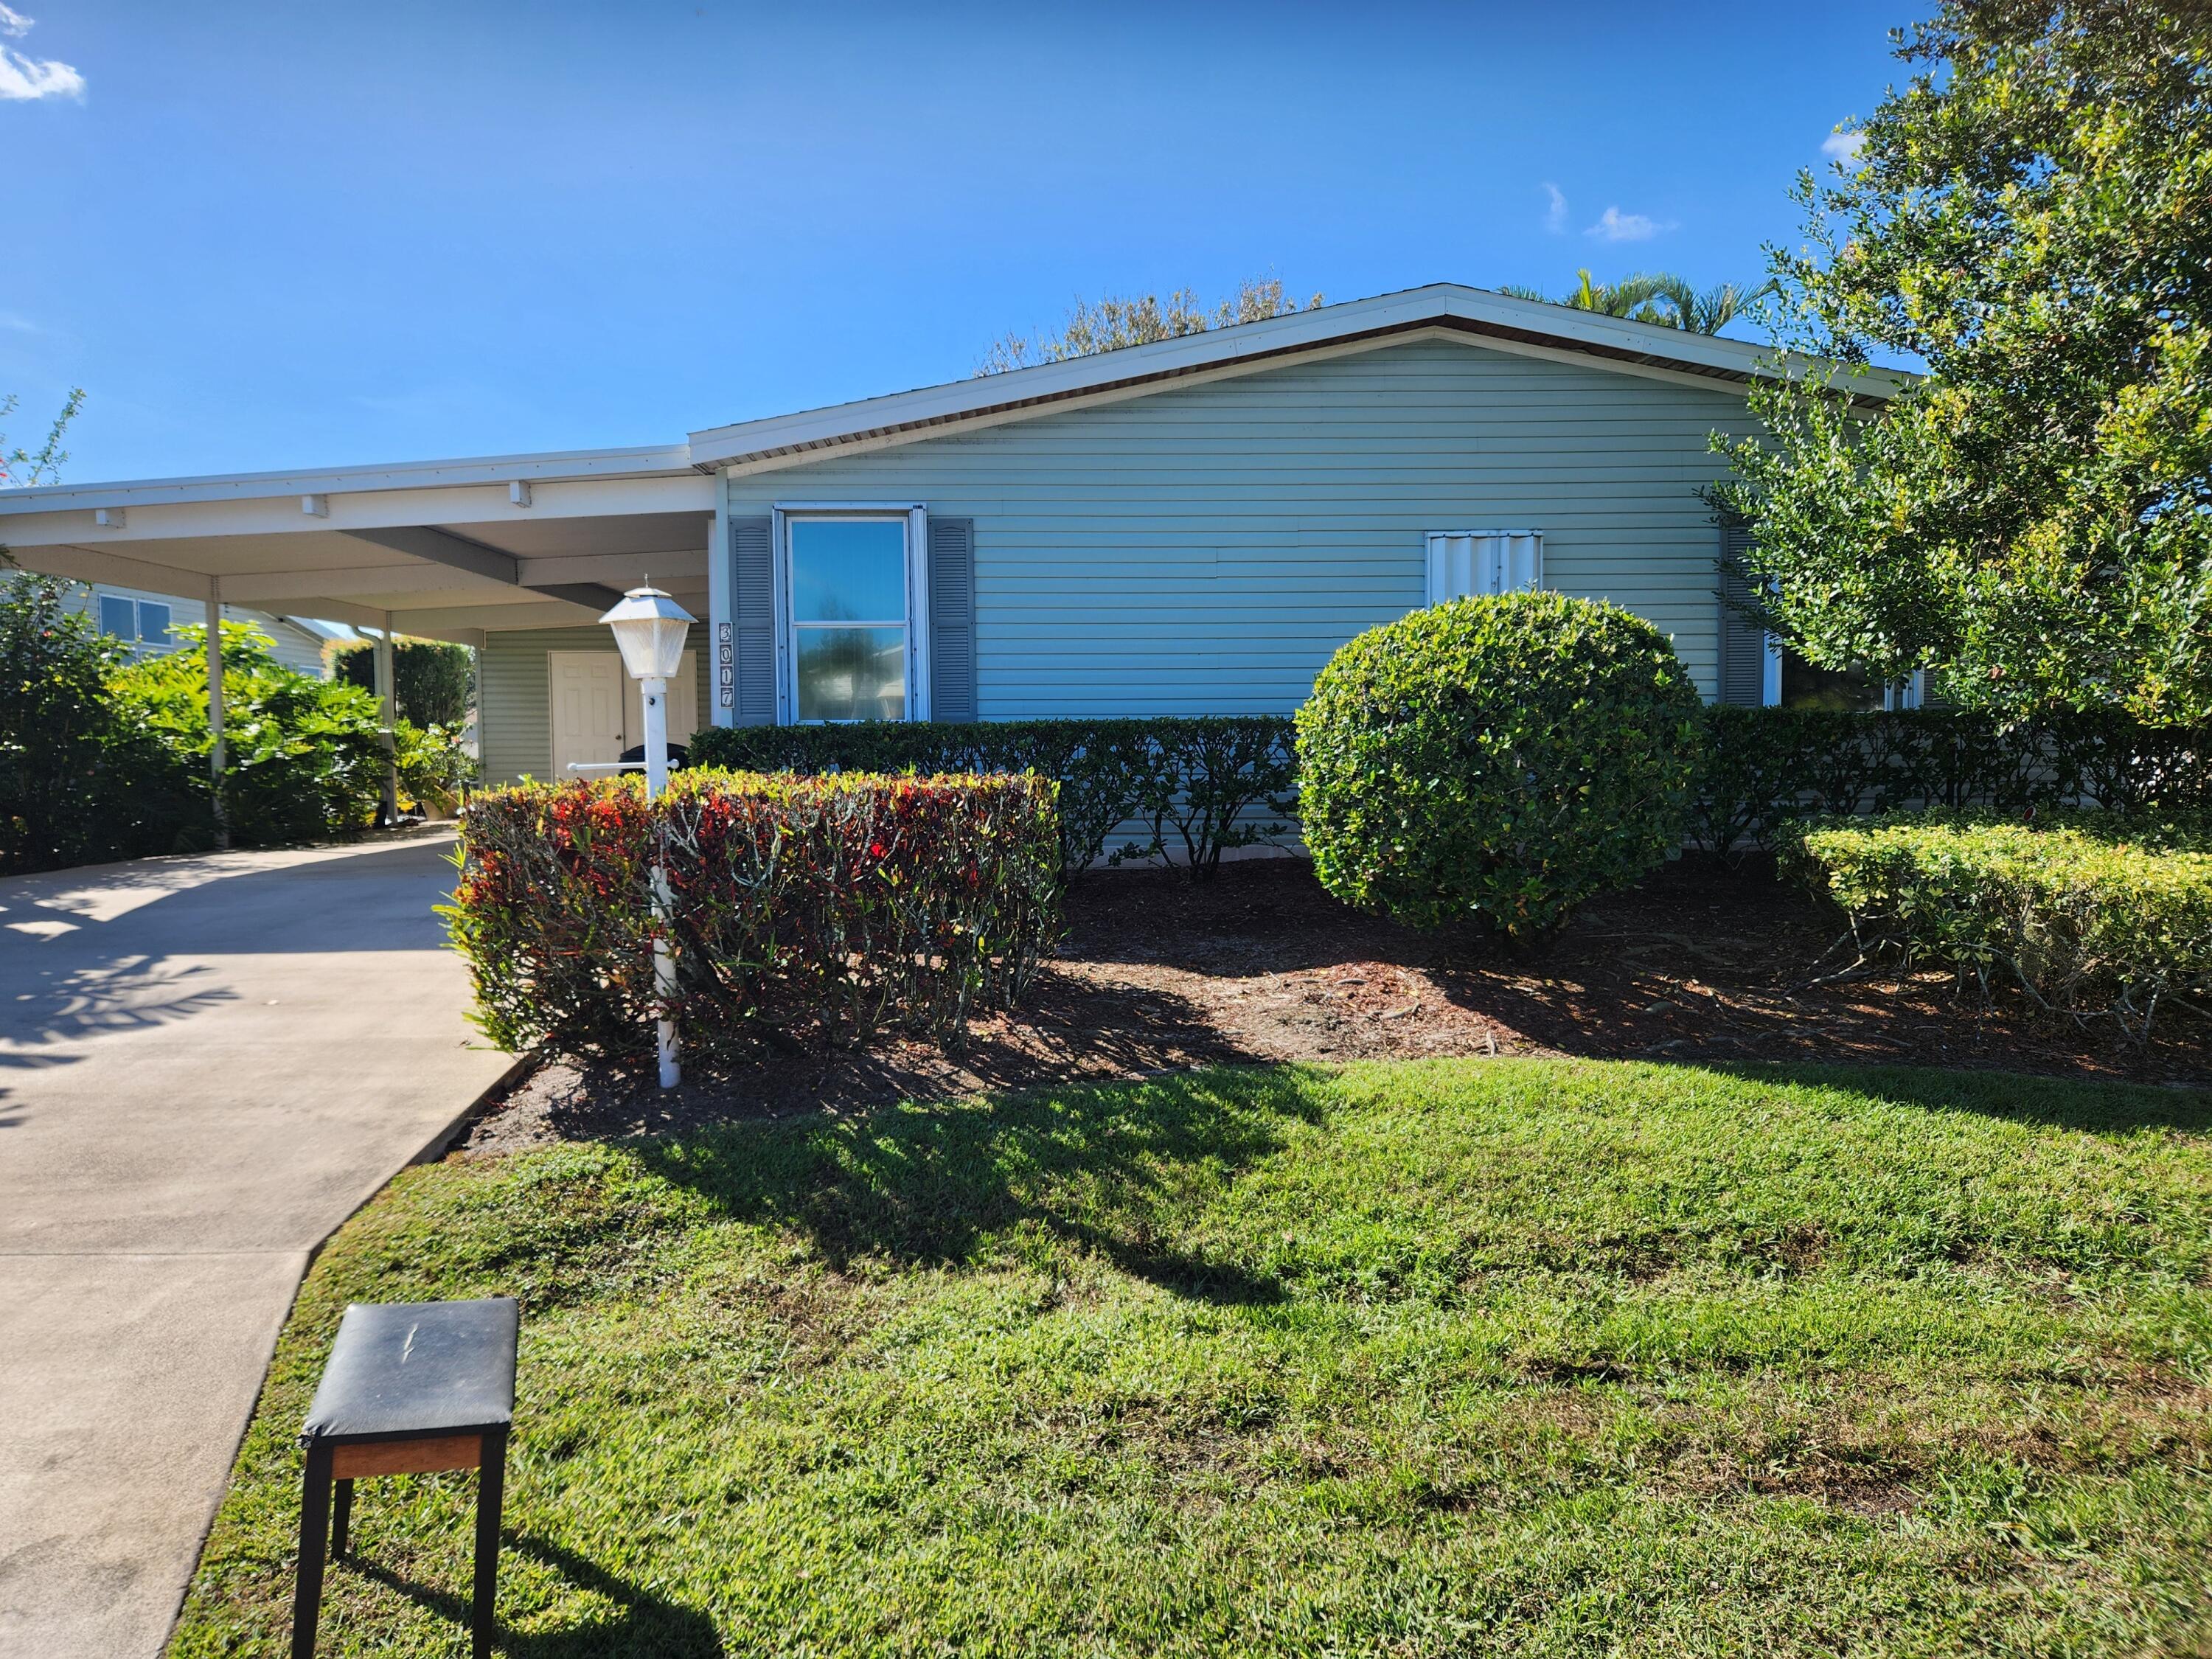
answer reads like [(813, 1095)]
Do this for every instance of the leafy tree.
[(76, 783), (22, 468), (1110, 323), (2030, 215), (1655, 296), (430, 679)]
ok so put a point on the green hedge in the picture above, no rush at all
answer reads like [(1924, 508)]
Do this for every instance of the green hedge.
[(1501, 758), (1207, 784), (431, 680), (1197, 786), (2096, 914), (812, 909), (1762, 767)]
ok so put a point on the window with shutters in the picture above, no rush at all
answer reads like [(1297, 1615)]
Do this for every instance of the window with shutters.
[(1466, 561), (853, 632)]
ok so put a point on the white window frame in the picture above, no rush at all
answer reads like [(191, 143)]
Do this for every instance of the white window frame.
[(135, 639), (916, 516), (1434, 541)]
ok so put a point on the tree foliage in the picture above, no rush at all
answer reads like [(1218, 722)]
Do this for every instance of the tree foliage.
[(77, 784), (20, 467), (430, 679), (1110, 323), (1651, 297), (2031, 216)]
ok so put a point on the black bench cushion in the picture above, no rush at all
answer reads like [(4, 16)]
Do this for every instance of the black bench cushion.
[(407, 1367)]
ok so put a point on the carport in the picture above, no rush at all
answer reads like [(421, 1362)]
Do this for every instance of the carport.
[(451, 551)]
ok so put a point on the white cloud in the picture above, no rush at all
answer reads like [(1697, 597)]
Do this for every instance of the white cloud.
[(1555, 216), (23, 76), (1614, 226), (1844, 147)]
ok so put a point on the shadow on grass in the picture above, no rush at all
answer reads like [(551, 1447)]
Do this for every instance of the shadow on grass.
[(1097, 1166), (2090, 1106), (644, 1622)]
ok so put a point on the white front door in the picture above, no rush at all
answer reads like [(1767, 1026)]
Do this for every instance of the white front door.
[(682, 705), (587, 708)]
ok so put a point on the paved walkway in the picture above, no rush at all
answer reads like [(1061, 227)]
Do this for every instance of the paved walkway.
[(205, 1064)]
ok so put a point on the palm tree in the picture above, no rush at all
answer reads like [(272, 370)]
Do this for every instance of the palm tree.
[(1657, 296)]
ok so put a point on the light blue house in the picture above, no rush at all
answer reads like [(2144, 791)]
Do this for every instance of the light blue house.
[(1191, 526)]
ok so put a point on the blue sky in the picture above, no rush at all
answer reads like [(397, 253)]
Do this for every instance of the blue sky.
[(292, 234)]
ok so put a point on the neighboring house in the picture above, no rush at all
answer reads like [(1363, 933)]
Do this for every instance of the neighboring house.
[(146, 619), (1191, 526)]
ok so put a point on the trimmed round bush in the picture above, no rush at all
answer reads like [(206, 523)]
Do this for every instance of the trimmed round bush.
[(1500, 759)]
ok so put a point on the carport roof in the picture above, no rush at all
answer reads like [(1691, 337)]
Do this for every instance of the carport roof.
[(449, 549)]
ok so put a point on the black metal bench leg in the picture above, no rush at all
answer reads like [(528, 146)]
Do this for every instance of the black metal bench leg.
[(491, 1491), (342, 1521), (314, 1538)]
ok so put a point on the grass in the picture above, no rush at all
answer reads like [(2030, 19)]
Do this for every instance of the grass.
[(1510, 1357)]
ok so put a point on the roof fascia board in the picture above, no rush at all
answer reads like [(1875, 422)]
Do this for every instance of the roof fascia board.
[(1612, 343), (22, 524), (1613, 340), (1128, 390), (1121, 394), (552, 466)]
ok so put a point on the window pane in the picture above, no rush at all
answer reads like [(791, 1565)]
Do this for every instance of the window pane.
[(848, 569), (851, 673), (1804, 686), (153, 623), (118, 617)]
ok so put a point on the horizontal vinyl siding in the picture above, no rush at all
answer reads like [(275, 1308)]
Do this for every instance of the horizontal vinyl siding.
[(1205, 549), (294, 647), (515, 696)]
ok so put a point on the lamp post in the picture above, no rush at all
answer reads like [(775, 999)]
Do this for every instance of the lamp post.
[(652, 630)]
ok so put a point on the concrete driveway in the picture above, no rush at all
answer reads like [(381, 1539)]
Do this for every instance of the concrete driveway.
[(205, 1064)]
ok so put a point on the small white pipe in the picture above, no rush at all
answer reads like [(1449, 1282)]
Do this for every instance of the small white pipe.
[(654, 692)]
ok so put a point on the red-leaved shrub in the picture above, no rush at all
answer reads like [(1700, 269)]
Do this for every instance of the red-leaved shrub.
[(813, 910)]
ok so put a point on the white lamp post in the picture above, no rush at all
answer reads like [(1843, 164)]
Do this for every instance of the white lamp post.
[(652, 630)]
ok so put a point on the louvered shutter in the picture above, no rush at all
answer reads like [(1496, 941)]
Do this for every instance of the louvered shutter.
[(1742, 642), (951, 619), (752, 593)]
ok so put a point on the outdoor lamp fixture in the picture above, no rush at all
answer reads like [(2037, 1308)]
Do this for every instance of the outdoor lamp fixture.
[(652, 630)]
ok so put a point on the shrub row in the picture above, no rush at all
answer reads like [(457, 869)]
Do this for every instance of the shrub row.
[(801, 909), (1763, 767), (1203, 783), (1208, 784), (2097, 913)]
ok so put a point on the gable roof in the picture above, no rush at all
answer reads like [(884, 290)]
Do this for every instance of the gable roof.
[(1477, 313)]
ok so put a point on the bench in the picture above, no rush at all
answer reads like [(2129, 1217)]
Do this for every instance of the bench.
[(411, 1387)]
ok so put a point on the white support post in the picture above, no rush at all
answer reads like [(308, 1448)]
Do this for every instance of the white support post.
[(386, 696), (217, 756), (654, 693)]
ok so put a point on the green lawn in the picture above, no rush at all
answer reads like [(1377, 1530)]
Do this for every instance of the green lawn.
[(1497, 1357)]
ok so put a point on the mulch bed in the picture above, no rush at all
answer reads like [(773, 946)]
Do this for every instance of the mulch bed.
[(1698, 964)]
